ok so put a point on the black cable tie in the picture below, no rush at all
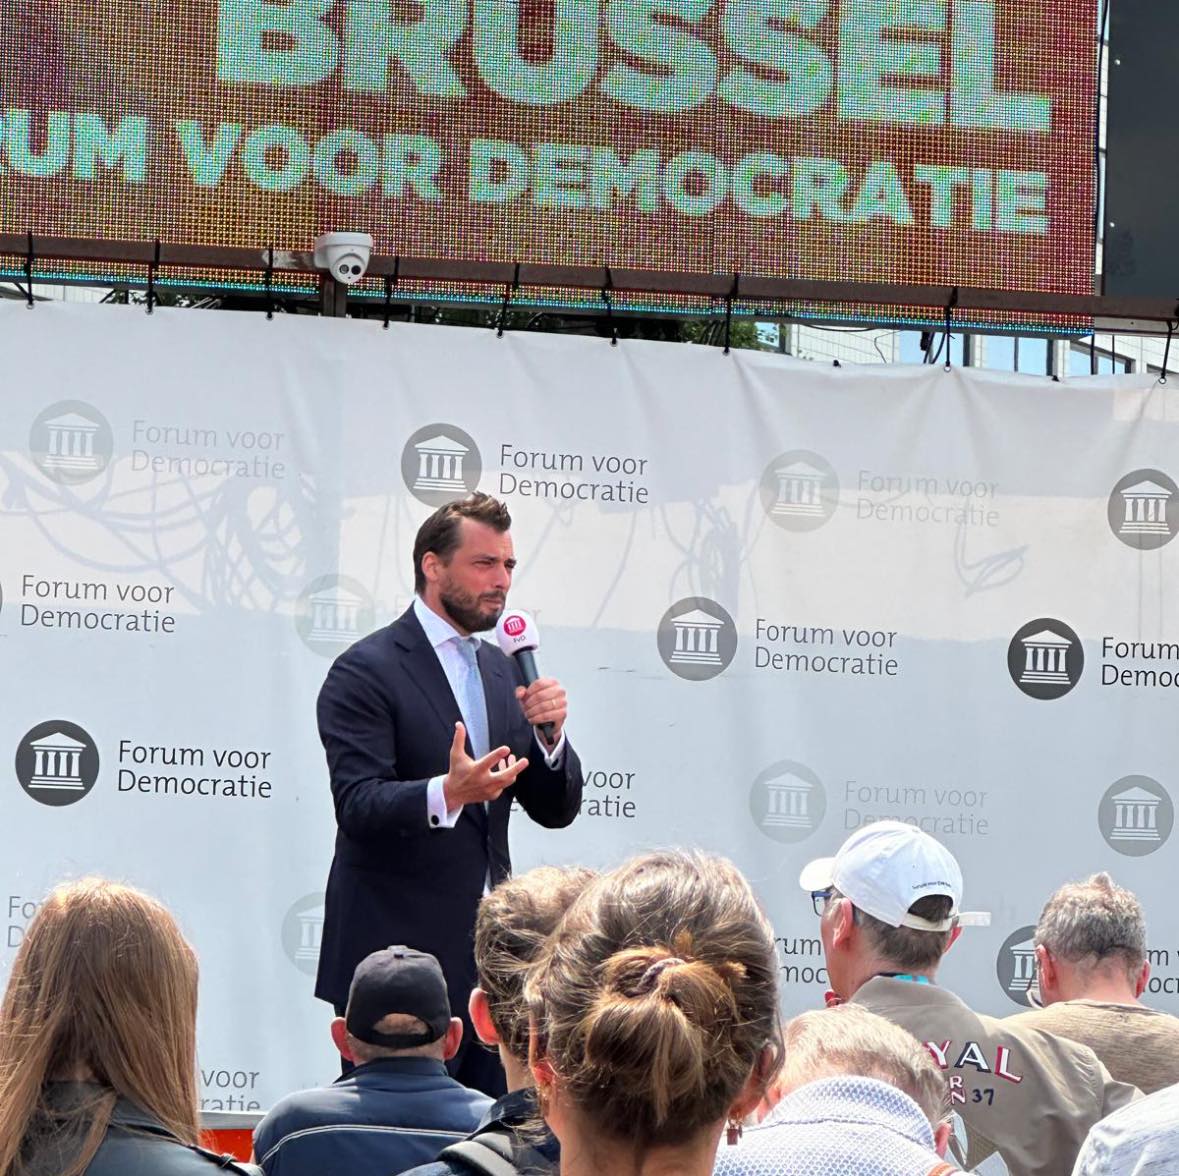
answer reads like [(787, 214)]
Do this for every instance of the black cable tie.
[(509, 290), (153, 265), (391, 280), (29, 304), (949, 317), (606, 288), (729, 310), (1167, 349), (270, 283)]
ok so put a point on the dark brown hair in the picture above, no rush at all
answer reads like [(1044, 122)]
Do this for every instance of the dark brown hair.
[(656, 997), (105, 986), (441, 532), (513, 925)]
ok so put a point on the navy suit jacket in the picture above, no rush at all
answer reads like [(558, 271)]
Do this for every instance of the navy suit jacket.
[(386, 718)]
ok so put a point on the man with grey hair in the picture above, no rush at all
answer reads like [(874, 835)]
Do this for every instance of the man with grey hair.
[(1093, 967), (859, 1095)]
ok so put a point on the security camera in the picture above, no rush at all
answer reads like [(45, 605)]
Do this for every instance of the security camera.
[(344, 255)]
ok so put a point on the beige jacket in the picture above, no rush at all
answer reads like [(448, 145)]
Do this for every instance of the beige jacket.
[(1025, 1093)]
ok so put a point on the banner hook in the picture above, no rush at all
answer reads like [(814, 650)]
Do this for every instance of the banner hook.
[(270, 283), (509, 289), (949, 316), (151, 278), (29, 304), (1167, 349), (729, 310), (606, 288), (391, 281)]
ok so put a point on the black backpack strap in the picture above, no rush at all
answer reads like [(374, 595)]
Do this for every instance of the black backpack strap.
[(226, 1163), (490, 1154)]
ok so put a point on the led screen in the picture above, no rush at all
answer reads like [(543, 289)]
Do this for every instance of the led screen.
[(897, 140)]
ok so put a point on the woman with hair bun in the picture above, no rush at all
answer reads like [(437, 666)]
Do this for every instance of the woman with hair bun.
[(655, 1017)]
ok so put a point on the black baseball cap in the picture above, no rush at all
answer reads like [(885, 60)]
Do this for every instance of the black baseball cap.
[(398, 980)]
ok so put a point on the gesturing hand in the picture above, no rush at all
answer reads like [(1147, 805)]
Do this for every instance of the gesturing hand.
[(472, 781)]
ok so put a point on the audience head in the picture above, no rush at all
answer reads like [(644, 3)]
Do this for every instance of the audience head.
[(397, 1007), (1091, 942), (513, 925), (103, 991), (889, 901), (654, 1007), (849, 1041)]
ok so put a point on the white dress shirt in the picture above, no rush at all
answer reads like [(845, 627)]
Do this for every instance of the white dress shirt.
[(441, 635)]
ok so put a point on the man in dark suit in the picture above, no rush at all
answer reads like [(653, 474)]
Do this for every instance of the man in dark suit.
[(430, 736)]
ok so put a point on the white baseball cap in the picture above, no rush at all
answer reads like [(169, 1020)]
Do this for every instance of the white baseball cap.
[(884, 868)]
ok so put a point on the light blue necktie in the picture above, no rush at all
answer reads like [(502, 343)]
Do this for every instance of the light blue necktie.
[(471, 700)]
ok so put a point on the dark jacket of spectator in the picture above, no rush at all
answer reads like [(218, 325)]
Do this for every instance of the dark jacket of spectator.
[(384, 1117), (135, 1144), (538, 1151)]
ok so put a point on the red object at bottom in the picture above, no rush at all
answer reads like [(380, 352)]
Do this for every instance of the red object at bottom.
[(229, 1141)]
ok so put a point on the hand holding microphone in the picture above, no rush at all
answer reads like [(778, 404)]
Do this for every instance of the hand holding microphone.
[(543, 700)]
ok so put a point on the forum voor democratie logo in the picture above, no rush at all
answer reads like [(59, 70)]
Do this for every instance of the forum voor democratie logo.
[(1016, 967), (441, 463), (71, 442), (302, 932), (332, 612), (57, 763), (799, 490), (697, 639), (788, 802), (1045, 658), (1136, 816), (1143, 509)]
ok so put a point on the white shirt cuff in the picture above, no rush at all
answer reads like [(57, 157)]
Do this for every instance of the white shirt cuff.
[(552, 758), (440, 817)]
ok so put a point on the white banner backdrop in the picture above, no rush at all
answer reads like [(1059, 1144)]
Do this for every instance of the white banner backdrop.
[(786, 599)]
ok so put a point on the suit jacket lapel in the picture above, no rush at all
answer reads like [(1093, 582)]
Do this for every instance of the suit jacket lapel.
[(425, 670)]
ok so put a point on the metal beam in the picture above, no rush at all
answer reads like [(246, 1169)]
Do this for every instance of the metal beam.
[(748, 287)]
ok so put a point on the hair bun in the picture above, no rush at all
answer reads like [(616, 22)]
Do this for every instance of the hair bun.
[(656, 998), (650, 978), (695, 985)]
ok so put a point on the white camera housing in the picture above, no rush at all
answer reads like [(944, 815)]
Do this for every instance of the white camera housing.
[(344, 255)]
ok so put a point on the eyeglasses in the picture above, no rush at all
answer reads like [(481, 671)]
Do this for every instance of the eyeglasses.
[(820, 899)]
